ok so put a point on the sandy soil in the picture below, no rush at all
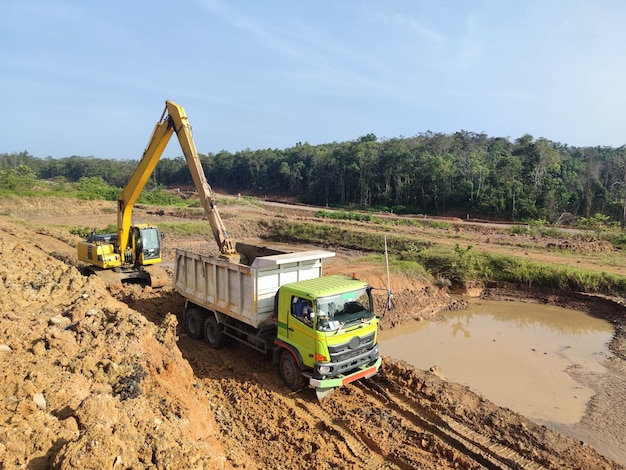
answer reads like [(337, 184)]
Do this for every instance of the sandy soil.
[(106, 378)]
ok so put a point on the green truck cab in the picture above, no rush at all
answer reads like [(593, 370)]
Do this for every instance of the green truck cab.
[(326, 332)]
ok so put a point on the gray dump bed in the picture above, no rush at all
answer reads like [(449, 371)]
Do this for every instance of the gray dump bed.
[(240, 291)]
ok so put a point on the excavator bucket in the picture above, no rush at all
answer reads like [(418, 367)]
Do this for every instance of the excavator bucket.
[(323, 392), (249, 252), (158, 276)]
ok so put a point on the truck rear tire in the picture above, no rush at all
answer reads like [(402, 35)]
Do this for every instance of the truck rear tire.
[(290, 372), (213, 334), (194, 323)]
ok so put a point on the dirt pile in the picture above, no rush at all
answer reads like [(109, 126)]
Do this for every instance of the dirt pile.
[(88, 382)]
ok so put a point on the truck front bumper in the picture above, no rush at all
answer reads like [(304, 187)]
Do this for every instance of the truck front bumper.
[(362, 372)]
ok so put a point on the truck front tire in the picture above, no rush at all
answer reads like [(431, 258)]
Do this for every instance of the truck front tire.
[(290, 372), (194, 323), (213, 333)]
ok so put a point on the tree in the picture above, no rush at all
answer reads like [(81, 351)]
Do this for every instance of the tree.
[(17, 179), (619, 185)]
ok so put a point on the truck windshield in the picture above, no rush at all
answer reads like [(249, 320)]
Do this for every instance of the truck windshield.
[(342, 310)]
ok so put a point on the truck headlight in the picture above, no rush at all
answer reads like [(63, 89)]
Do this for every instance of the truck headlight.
[(323, 369)]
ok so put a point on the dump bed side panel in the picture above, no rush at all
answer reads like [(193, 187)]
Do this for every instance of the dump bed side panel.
[(218, 285), (239, 291)]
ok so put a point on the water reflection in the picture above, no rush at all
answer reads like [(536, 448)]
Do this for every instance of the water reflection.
[(516, 354), (461, 327)]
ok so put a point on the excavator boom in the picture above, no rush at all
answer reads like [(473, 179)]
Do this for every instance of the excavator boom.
[(173, 119)]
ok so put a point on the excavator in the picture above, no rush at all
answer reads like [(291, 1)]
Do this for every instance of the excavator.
[(134, 251)]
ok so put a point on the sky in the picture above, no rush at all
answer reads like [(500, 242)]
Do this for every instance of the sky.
[(90, 78)]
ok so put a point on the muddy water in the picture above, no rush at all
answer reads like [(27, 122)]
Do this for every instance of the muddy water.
[(515, 354)]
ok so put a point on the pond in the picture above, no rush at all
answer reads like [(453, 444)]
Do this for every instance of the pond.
[(515, 354)]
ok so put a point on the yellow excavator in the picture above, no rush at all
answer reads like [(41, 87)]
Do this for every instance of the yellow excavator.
[(133, 252)]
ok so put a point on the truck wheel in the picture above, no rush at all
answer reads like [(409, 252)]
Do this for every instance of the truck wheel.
[(194, 322), (290, 372), (213, 333)]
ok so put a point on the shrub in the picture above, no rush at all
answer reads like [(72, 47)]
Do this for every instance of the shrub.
[(518, 230), (94, 187)]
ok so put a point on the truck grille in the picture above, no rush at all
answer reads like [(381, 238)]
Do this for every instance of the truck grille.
[(355, 347)]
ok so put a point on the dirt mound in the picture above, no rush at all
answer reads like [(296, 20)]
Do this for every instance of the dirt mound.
[(88, 382), (582, 245)]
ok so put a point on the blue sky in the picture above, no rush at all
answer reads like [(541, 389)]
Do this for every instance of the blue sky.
[(90, 78)]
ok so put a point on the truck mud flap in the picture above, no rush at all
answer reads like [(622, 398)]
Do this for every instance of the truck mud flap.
[(322, 393)]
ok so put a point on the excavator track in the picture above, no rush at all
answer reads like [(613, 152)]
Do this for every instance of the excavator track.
[(453, 433)]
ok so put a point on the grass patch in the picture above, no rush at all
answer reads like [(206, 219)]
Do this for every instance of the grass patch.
[(457, 264), (535, 230), (322, 234), (396, 265), (535, 274), (84, 232), (186, 229), (238, 201), (343, 215), (183, 229), (442, 225), (617, 239)]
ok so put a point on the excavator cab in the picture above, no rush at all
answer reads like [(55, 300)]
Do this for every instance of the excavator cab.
[(145, 245)]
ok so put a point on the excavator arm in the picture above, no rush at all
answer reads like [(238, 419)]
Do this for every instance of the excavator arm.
[(172, 120), (182, 128)]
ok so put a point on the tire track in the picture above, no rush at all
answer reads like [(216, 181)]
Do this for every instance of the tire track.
[(453, 433), (367, 456)]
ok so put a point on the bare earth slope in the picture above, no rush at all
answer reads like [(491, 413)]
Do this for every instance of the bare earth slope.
[(86, 381), (97, 378)]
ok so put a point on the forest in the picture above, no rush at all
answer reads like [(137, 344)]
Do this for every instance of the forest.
[(465, 174)]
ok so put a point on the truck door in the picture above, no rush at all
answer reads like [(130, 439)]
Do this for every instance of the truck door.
[(300, 330)]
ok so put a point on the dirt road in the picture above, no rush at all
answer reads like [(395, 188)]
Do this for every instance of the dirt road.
[(105, 378)]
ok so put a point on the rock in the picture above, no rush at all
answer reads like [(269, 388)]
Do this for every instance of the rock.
[(437, 372), (5, 348), (11, 403), (56, 320), (40, 401), (64, 341), (39, 348)]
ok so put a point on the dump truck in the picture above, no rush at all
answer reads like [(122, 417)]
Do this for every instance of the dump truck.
[(321, 331)]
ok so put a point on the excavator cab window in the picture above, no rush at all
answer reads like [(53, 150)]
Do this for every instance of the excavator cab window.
[(149, 243)]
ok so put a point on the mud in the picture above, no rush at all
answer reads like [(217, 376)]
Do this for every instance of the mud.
[(97, 378)]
